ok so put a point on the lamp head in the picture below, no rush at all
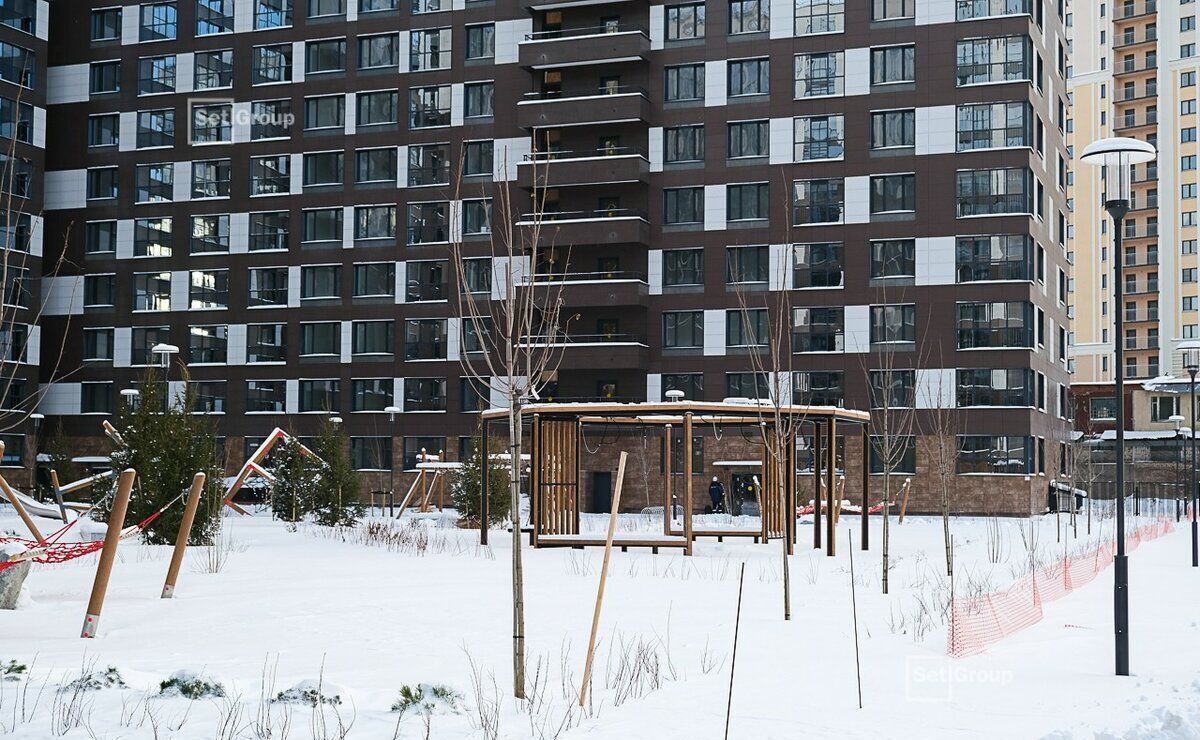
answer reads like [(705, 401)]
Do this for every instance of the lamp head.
[(1190, 354), (1117, 156)]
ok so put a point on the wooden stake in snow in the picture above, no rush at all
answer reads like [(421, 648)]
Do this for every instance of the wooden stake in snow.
[(116, 520), (854, 609), (608, 544), (185, 532), (737, 624)]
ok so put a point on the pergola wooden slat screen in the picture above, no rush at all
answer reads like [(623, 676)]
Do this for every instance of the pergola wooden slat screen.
[(775, 521), (556, 476)]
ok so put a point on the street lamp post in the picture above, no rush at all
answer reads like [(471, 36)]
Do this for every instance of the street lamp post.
[(1191, 363), (164, 352), (1178, 419), (391, 412), (1116, 158)]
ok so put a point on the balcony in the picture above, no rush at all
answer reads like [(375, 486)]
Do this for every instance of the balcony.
[(1137, 317), (574, 47), (610, 226), (589, 289), (596, 351), (603, 166), (1132, 10), (609, 104), (532, 5)]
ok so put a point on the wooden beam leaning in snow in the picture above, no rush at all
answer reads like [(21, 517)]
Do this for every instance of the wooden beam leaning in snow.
[(608, 545), (253, 466), (16, 504), (904, 497), (181, 538), (116, 518)]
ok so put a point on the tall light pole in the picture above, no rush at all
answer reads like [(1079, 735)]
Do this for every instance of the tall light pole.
[(164, 352), (1178, 419), (1116, 158), (1191, 363), (391, 412)]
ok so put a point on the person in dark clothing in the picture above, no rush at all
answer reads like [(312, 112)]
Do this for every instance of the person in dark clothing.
[(716, 492)]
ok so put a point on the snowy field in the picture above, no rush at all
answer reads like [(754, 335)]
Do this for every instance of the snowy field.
[(419, 604)]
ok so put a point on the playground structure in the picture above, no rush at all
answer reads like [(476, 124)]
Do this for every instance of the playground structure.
[(556, 434), (432, 472), (254, 466)]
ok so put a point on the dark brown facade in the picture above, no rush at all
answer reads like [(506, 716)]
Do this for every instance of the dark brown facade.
[(897, 180)]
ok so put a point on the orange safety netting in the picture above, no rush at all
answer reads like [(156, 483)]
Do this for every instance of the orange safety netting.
[(979, 621), (53, 551)]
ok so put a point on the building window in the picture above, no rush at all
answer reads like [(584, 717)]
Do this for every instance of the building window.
[(425, 339), (327, 111), (969, 9), (1162, 408), (373, 337), (997, 455), (425, 280), (99, 290), (106, 24), (94, 398), (155, 128), (268, 286), (428, 223), (375, 165), (683, 144), (685, 21), (210, 234), (429, 106), (893, 129), (817, 265), (103, 129), (212, 124), (208, 289), (98, 345), (1000, 324), (894, 259), (481, 41), (207, 344), (323, 168), (320, 282), (371, 453), (152, 291), (213, 69), (323, 226), (748, 202), (374, 222), (328, 55), (155, 75), (817, 201), (749, 16), (159, 21), (894, 324), (889, 10), (684, 82), (692, 385), (990, 192), (374, 394), (994, 257), (477, 216), (214, 16), (414, 447), (429, 49), (424, 394), (210, 178), (683, 267), (378, 108), (683, 205), (893, 194), (100, 237), (319, 396), (818, 388), (818, 329), (378, 51), (893, 64), (994, 125), (747, 265), (892, 389), (142, 342), (323, 339), (748, 139), (266, 396), (820, 74), (270, 175), (819, 137), (749, 76), (152, 237), (994, 387), (478, 99), (746, 385), (271, 119), (155, 183), (266, 343), (271, 64), (478, 158), (820, 16), (375, 279), (893, 454), (1003, 59), (269, 231), (683, 329)]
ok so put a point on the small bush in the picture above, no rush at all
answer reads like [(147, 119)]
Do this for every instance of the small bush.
[(191, 686), (429, 699), (109, 678), (466, 490), (311, 693), (12, 671)]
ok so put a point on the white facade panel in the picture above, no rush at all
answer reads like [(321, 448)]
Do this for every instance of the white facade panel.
[(239, 233), (122, 346), (180, 282), (714, 207), (935, 260), (291, 402), (507, 154), (655, 149), (65, 189), (783, 138), (62, 295), (457, 103), (779, 266), (858, 71), (68, 83), (183, 181), (235, 348), (509, 34), (185, 73), (346, 335), (932, 12), (936, 130), (715, 88), (61, 399), (858, 329), (39, 127), (293, 297), (453, 338), (657, 27), (127, 131), (654, 271), (714, 332), (858, 200), (935, 388)]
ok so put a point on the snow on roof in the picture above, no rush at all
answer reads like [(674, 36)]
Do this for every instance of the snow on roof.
[(1111, 434), (737, 463), (92, 459)]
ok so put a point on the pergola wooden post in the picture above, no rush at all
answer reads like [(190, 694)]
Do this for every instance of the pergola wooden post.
[(181, 538), (831, 491), (668, 454), (116, 520), (818, 461), (536, 514), (485, 455), (687, 483), (866, 487)]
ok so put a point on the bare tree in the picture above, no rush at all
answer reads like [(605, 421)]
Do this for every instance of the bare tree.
[(941, 426), (512, 338)]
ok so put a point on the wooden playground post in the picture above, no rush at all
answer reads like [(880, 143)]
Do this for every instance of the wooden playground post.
[(668, 502), (116, 520), (185, 532), (608, 545), (687, 483), (831, 491), (866, 487), (16, 504), (904, 498), (818, 461)]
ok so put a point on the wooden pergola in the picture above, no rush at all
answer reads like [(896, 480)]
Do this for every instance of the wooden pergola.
[(556, 432)]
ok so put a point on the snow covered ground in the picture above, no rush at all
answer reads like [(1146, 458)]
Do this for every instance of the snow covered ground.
[(418, 604)]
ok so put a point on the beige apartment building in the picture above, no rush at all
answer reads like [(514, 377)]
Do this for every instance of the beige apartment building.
[(1133, 73)]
